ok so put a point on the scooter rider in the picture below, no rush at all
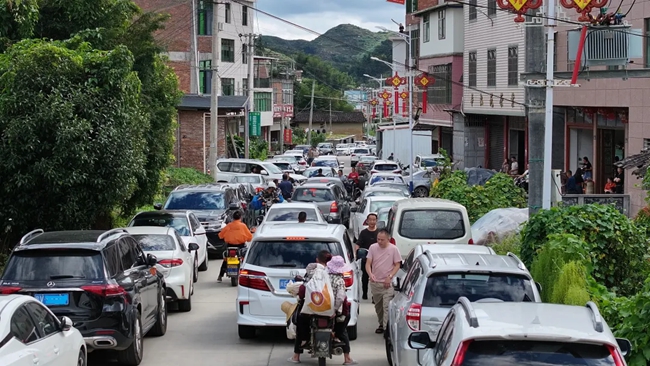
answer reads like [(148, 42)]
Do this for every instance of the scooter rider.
[(235, 234), (269, 194)]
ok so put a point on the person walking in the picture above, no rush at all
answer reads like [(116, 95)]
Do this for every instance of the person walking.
[(235, 234), (383, 263), (367, 237), (286, 188)]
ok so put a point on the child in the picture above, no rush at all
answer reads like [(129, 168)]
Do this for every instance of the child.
[(610, 186)]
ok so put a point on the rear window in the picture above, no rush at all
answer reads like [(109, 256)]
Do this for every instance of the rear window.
[(443, 290), (536, 353), (376, 205), (386, 178), (289, 254), (178, 223), (385, 167), (282, 165), (432, 224), (331, 163), (46, 265), (313, 195), (155, 242), (361, 151), (286, 214), (327, 172), (196, 201)]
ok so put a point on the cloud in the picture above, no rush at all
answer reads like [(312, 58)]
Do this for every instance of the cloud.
[(323, 15)]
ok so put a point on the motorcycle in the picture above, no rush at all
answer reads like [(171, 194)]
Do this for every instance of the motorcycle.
[(322, 342), (233, 258), (353, 189)]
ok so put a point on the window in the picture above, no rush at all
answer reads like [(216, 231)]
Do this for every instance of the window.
[(472, 9), (46, 323), (537, 353), (471, 69), (244, 15), (646, 144), (440, 91), (442, 24), (179, 223), (446, 336), (492, 8), (263, 102), (227, 50), (227, 86), (432, 224), (46, 265), (492, 67), (228, 15), (513, 66), (415, 45), (127, 255), (646, 23), (23, 327), (205, 76), (411, 6), (426, 28), (155, 242), (444, 289), (313, 195), (204, 28), (244, 86), (289, 254), (244, 53)]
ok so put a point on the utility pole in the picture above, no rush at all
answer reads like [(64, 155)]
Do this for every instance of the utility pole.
[(214, 100), (251, 97), (330, 116), (311, 112)]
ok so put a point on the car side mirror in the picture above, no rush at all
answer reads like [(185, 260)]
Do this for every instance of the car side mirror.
[(66, 323), (193, 247), (151, 260), (381, 224), (624, 345), (421, 340), (233, 206), (157, 206), (362, 253), (539, 287), (353, 209), (264, 172)]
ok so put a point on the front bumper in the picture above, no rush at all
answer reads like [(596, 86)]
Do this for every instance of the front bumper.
[(216, 246)]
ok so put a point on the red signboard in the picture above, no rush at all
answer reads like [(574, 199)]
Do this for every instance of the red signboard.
[(288, 135), (401, 2), (282, 110)]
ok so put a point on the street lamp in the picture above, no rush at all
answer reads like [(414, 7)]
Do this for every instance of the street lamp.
[(409, 72)]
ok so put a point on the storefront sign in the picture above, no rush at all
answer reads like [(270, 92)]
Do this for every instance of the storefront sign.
[(255, 123), (288, 136), (282, 110)]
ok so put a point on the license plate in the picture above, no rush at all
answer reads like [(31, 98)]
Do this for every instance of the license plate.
[(53, 299), (232, 260), (233, 270), (283, 284)]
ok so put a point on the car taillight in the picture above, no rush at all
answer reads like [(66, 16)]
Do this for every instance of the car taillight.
[(413, 316), (471, 241), (253, 279), (243, 206), (334, 207), (460, 353), (398, 171), (353, 154), (348, 277), (392, 241), (374, 171), (303, 163), (8, 290), (168, 263), (106, 290), (618, 359), (232, 252), (323, 323)]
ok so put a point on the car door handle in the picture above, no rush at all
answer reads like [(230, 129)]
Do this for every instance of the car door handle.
[(56, 350), (36, 360)]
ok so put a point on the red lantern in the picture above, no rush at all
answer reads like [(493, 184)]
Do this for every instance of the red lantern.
[(519, 7), (404, 95), (423, 81)]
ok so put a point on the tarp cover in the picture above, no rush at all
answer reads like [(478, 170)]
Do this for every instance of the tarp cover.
[(478, 176), (497, 224)]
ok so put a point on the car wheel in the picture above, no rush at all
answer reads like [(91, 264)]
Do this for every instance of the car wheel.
[(352, 332), (389, 348), (204, 266), (246, 331), (81, 359), (421, 192), (132, 356), (195, 271), (185, 305), (160, 328)]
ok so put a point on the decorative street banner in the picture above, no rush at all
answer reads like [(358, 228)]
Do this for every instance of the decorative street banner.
[(401, 2), (396, 81), (423, 81), (255, 123), (404, 95), (519, 7), (288, 136)]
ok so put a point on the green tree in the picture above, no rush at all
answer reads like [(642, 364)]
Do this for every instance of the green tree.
[(17, 21), (73, 135)]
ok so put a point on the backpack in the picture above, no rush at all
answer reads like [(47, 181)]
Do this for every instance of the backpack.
[(319, 296)]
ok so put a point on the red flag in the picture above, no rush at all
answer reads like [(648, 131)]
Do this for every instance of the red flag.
[(385, 109), (424, 101), (396, 101), (374, 112), (401, 2)]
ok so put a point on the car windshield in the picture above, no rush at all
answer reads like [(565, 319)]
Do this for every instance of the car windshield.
[(282, 165), (536, 353), (385, 167), (386, 178), (177, 222), (432, 224), (361, 151), (246, 179), (312, 172), (330, 163), (291, 254), (155, 242), (367, 159), (290, 214), (46, 265), (271, 169), (376, 205), (391, 185), (443, 290), (196, 201), (313, 195), (383, 216), (384, 193)]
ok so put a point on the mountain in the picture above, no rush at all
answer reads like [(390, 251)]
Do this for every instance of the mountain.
[(346, 47)]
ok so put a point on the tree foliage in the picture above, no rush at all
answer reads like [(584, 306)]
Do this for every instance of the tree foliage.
[(330, 83), (18, 20)]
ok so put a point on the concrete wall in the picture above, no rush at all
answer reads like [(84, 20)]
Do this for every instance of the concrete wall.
[(454, 33)]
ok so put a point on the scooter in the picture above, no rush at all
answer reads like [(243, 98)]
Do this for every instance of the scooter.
[(322, 339), (233, 258)]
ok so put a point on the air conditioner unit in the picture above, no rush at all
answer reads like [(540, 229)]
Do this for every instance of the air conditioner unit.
[(220, 26)]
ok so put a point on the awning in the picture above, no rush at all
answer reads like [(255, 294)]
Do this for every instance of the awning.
[(194, 101)]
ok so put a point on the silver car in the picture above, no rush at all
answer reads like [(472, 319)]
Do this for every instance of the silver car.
[(332, 201), (422, 180), (433, 285)]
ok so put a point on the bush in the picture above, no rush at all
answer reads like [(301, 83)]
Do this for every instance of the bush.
[(642, 221), (616, 248), (571, 285), (509, 244), (498, 192)]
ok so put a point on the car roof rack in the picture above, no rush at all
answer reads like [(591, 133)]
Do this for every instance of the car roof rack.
[(431, 259), (597, 319), (111, 232), (470, 314), (31, 235), (520, 264)]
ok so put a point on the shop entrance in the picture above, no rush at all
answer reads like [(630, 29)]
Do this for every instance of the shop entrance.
[(611, 143)]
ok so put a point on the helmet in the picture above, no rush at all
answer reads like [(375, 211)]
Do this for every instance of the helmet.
[(270, 185)]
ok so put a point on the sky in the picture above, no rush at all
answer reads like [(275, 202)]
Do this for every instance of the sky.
[(321, 15)]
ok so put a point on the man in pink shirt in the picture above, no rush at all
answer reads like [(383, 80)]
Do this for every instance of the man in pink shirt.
[(382, 264)]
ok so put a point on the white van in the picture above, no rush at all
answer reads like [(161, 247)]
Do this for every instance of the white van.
[(427, 221)]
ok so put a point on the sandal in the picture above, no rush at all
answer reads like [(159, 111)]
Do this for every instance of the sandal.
[(292, 360), (352, 362), (379, 330)]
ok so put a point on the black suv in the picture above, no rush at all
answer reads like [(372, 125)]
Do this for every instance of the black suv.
[(212, 204), (101, 280), (332, 200)]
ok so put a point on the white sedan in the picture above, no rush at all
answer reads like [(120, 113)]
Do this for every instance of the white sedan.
[(180, 265), (289, 211), (368, 205), (32, 335)]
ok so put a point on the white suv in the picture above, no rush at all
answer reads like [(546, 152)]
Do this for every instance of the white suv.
[(524, 334), (277, 254)]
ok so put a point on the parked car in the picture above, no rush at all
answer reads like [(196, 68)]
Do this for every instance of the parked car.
[(385, 177), (180, 263), (227, 168), (257, 180), (436, 281), (186, 223), (299, 158), (279, 252), (368, 205), (101, 280), (332, 201), (386, 184), (357, 153), (381, 190), (289, 211), (336, 180), (327, 171), (385, 166), (294, 160), (31, 331), (364, 164), (522, 333), (328, 160), (343, 149), (427, 220), (422, 162), (283, 164), (422, 180), (325, 148)]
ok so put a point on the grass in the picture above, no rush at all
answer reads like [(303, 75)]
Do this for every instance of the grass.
[(510, 244)]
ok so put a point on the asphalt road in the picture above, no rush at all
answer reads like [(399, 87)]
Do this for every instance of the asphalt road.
[(208, 334)]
